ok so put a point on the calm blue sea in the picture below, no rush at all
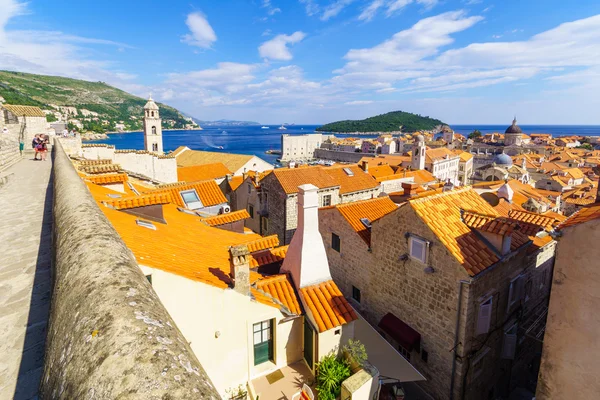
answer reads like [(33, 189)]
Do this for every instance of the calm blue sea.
[(254, 140)]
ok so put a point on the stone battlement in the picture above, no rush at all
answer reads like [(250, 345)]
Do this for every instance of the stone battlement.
[(109, 335)]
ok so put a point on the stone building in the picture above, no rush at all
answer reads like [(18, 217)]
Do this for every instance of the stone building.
[(453, 285), (300, 147), (238, 164), (152, 128), (513, 136), (23, 121), (279, 193), (465, 167), (570, 367)]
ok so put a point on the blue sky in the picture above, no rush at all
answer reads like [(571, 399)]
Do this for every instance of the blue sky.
[(315, 61)]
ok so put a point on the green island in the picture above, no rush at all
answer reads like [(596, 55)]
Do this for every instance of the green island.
[(99, 106), (389, 122)]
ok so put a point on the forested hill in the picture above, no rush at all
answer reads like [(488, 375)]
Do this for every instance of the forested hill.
[(111, 104), (388, 122)]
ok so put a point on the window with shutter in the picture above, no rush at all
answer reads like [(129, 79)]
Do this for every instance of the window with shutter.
[(515, 292), (484, 318), (509, 345), (418, 249)]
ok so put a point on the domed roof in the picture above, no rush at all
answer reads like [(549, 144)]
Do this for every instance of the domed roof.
[(419, 139), (514, 128), (150, 105), (446, 128), (503, 159)]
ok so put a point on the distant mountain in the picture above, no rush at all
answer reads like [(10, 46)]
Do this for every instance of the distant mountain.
[(225, 122), (111, 104), (388, 122)]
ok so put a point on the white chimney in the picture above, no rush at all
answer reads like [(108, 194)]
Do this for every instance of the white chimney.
[(306, 259)]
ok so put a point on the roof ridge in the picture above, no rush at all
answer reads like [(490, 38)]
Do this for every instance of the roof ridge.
[(438, 195)]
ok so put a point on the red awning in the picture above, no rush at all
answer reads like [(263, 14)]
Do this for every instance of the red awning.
[(406, 336)]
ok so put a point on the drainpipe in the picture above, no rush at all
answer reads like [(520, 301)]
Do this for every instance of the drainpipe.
[(460, 286)]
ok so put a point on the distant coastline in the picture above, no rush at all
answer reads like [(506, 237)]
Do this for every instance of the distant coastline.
[(169, 129)]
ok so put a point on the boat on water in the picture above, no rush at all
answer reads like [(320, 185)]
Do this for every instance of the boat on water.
[(277, 152), (282, 128), (264, 127), (220, 147)]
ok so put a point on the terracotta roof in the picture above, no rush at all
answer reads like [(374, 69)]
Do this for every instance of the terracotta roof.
[(545, 221), (381, 171), (487, 223), (280, 288), (263, 243), (291, 178), (371, 209), (24, 111), (441, 212), (268, 256), (438, 154), (228, 218), (586, 214), (139, 201), (202, 172), (235, 182), (94, 162), (208, 192), (351, 183), (107, 178), (575, 173), (328, 307), (421, 176), (101, 169), (189, 158), (464, 155)]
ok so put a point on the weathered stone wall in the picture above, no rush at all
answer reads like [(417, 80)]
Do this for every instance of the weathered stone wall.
[(341, 155), (71, 145), (109, 335), (9, 150)]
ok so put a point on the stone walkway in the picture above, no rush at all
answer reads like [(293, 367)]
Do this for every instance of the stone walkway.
[(25, 253)]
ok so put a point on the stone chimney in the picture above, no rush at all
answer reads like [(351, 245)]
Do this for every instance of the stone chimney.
[(409, 188), (448, 185), (306, 259), (364, 165), (240, 268)]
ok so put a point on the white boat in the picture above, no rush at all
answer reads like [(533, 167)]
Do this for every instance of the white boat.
[(264, 127), (282, 128)]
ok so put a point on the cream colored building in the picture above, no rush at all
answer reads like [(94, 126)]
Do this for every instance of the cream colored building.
[(300, 147), (238, 164), (23, 121)]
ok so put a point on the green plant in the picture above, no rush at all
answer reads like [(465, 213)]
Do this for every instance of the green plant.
[(331, 372), (356, 351)]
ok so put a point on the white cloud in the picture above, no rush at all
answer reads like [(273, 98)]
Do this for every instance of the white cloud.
[(201, 33), (371, 10), (334, 9), (358, 102), (277, 48), (267, 32), (311, 7), (271, 10)]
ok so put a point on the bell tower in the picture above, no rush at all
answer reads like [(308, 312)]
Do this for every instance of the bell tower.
[(152, 128), (418, 156)]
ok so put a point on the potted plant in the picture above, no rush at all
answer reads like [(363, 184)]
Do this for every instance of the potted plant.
[(237, 393), (331, 372), (355, 353)]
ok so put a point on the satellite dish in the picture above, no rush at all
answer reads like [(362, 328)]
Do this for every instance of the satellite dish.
[(491, 198)]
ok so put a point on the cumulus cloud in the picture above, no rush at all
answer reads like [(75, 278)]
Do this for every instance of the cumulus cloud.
[(311, 7), (277, 48), (358, 102), (370, 11), (391, 7), (334, 9), (201, 33)]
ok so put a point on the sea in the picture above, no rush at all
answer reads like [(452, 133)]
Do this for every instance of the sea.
[(256, 141)]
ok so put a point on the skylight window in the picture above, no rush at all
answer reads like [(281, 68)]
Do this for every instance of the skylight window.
[(191, 199), (366, 222), (348, 171), (133, 189), (185, 210), (145, 224), (114, 196)]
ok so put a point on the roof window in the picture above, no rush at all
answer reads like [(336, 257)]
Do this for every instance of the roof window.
[(145, 224), (366, 222), (191, 199), (348, 171), (114, 196), (133, 189)]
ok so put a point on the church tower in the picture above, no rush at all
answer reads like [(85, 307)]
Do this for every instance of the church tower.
[(152, 128), (418, 156)]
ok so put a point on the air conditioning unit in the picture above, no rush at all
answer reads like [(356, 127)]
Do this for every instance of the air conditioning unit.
[(225, 210)]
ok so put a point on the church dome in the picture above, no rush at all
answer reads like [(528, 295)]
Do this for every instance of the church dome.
[(150, 105), (503, 159), (514, 128), (420, 139)]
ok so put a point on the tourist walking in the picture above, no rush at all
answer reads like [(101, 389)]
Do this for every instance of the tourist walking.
[(35, 143), (44, 148)]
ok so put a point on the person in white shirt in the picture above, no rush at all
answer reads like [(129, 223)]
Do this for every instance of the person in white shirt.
[(65, 132)]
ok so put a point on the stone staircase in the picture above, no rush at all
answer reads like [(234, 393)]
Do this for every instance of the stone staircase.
[(9, 155)]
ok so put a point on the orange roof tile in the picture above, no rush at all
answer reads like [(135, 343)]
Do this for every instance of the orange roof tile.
[(228, 218), (106, 179), (203, 172), (360, 180), (380, 171), (269, 256), (328, 307), (208, 192), (267, 242), (371, 209), (438, 154), (583, 215), (101, 169), (545, 221), (291, 178), (441, 212), (235, 182), (139, 201), (280, 288)]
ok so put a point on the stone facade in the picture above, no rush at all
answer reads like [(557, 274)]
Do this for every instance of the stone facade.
[(31, 126), (389, 281), (300, 147)]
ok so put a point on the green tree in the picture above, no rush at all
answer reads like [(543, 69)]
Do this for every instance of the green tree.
[(50, 118), (475, 134), (586, 146)]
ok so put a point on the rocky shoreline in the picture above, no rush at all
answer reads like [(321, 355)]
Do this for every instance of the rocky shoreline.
[(93, 136)]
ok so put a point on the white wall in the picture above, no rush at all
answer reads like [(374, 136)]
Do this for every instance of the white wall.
[(202, 312), (254, 164), (330, 341)]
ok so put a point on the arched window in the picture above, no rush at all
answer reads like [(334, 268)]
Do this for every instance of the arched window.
[(154, 130), (152, 112), (154, 146)]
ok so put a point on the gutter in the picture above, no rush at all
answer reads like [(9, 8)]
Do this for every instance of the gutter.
[(460, 286)]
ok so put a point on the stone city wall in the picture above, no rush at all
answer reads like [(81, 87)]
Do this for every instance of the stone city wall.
[(341, 155), (9, 150), (109, 335)]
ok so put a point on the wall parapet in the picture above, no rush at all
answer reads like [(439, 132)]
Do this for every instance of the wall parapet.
[(109, 335)]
